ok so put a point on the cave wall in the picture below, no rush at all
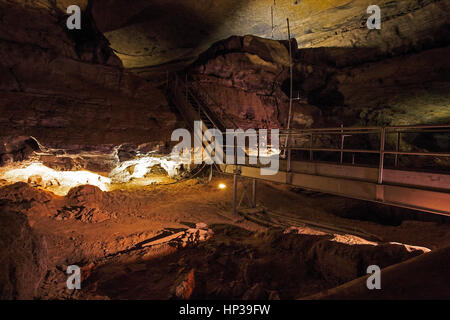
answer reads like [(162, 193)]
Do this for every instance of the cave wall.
[(243, 77), (344, 72), (147, 33), (69, 88), (409, 89), (77, 87)]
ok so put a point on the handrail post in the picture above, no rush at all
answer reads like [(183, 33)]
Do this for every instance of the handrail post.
[(235, 178), (289, 160), (254, 193), (310, 147), (235, 187), (397, 148), (342, 144), (382, 145)]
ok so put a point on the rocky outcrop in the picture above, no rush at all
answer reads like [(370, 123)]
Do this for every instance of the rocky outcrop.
[(24, 257), (14, 149), (155, 32), (401, 281), (403, 90), (245, 79), (67, 87), (84, 203), (24, 198), (241, 78), (344, 72)]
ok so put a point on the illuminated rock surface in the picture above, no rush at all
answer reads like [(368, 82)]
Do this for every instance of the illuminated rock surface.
[(85, 137), (152, 32)]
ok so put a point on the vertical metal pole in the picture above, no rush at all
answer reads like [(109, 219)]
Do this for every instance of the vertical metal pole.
[(254, 193), (310, 148), (342, 143), (235, 178), (382, 143), (235, 187), (289, 160), (291, 87), (271, 12), (210, 174), (397, 148)]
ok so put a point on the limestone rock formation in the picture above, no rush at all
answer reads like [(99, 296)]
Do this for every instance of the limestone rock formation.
[(403, 280), (84, 203), (399, 90), (245, 79), (67, 87), (155, 32), (14, 149), (24, 198)]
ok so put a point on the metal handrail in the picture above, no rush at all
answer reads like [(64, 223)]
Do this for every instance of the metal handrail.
[(180, 85), (217, 105), (383, 132), (203, 110), (371, 128)]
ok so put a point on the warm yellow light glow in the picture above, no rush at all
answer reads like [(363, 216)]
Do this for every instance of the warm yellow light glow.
[(59, 182), (222, 186), (142, 166)]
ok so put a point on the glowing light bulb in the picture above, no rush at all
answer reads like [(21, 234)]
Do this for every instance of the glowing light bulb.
[(222, 186)]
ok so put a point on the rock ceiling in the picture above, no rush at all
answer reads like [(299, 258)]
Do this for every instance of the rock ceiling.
[(146, 33), (346, 72)]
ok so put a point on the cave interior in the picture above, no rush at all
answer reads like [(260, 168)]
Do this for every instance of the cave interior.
[(344, 110)]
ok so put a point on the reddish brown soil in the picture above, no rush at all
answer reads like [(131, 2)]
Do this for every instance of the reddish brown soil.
[(243, 260)]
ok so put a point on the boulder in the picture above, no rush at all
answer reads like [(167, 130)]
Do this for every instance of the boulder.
[(13, 149), (24, 257), (84, 203), (340, 261), (256, 292), (186, 286), (22, 192), (85, 195), (246, 79)]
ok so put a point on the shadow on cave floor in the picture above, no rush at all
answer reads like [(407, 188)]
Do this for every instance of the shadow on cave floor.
[(240, 264)]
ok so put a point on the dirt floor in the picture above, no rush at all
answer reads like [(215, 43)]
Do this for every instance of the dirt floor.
[(182, 240)]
